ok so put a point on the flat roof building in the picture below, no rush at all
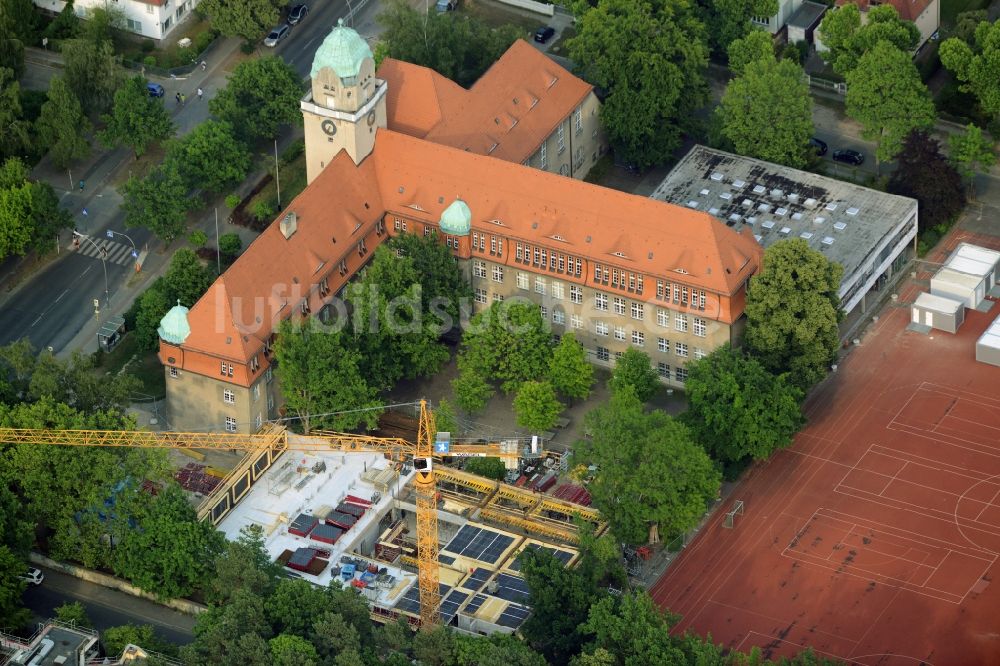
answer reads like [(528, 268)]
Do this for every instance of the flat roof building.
[(866, 231)]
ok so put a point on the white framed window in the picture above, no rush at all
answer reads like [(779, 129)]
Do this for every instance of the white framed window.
[(663, 369), (229, 397), (620, 333), (269, 373), (270, 403), (498, 273), (662, 318), (681, 349), (681, 323), (575, 294), (174, 374), (700, 327), (133, 25), (637, 311), (259, 421), (479, 269), (663, 345), (603, 354), (222, 368), (576, 322), (561, 138), (557, 291), (699, 352), (522, 280), (601, 327), (558, 316), (480, 296), (230, 424), (619, 305), (256, 392), (543, 157), (600, 301), (545, 311), (149, 9), (638, 338), (681, 374), (540, 285), (578, 120), (497, 298)]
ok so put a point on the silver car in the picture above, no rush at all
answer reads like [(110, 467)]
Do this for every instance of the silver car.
[(277, 35)]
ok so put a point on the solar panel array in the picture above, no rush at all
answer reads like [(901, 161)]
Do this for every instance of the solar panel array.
[(411, 600), (513, 616), (449, 607), (474, 605), (479, 544), (512, 588), (445, 559), (478, 579), (563, 556)]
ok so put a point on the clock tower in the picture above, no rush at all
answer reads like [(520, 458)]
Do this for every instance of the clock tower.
[(345, 104)]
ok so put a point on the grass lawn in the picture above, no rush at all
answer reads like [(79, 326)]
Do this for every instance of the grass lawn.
[(950, 9), (169, 54), (141, 364), (496, 16), (293, 181)]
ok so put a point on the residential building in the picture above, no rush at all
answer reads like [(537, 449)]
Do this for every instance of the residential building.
[(615, 269), (53, 643), (150, 18), (869, 233), (776, 23), (925, 14)]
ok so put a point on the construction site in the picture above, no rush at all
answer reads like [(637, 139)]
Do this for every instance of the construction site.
[(352, 517)]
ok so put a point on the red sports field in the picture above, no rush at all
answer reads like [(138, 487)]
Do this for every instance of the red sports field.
[(875, 538)]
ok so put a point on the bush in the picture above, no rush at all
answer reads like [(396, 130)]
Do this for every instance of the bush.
[(149, 61), (263, 211), (198, 238), (233, 200), (491, 468), (247, 48), (147, 45), (230, 244), (292, 152), (202, 41)]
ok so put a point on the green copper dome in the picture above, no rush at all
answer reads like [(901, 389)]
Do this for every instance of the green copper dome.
[(174, 327), (343, 50), (456, 219)]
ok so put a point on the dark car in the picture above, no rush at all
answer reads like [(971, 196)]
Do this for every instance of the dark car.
[(819, 146), (154, 89), (544, 34), (849, 157), (297, 13)]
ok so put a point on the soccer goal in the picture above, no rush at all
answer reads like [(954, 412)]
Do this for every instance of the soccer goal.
[(730, 518)]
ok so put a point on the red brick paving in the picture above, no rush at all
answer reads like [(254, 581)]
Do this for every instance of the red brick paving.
[(875, 538)]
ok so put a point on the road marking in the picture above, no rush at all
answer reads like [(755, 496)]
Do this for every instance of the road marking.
[(52, 305)]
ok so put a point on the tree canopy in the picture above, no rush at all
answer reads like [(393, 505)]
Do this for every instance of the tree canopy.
[(848, 39), (15, 140), (157, 201), (924, 174), (656, 84), (30, 216), (136, 119), (210, 157), (92, 72), (261, 96), (62, 126), (885, 94), (971, 152), (569, 372), (766, 112), (793, 311), (634, 370), (729, 20), (248, 19), (536, 406), (977, 65), (757, 45)]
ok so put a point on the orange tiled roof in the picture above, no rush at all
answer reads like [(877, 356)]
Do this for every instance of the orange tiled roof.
[(419, 179), (908, 10), (507, 113)]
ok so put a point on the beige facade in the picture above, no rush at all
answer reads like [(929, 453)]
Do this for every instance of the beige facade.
[(197, 403), (575, 145)]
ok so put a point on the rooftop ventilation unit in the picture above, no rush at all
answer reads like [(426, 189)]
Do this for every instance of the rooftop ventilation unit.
[(820, 220), (738, 183), (785, 231), (752, 220), (726, 195), (796, 216), (839, 226), (781, 211), (717, 177), (758, 237), (827, 240), (713, 211), (759, 189), (692, 204), (763, 208), (703, 192), (831, 206), (810, 203), (747, 203), (852, 211), (768, 224), (806, 235), (793, 197), (777, 194), (735, 217)]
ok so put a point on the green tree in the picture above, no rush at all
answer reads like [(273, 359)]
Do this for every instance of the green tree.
[(248, 19), (219, 630), (19, 23), (114, 639), (458, 50), (924, 174), (885, 94), (16, 531), (966, 24), (12, 566), (16, 226), (336, 639), (150, 308), (633, 629), (489, 467), (793, 311), (569, 372), (848, 39), (767, 112), (74, 383), (47, 217), (294, 605), (536, 406), (977, 65), (635, 370), (737, 409), (261, 96), (230, 245), (74, 613), (187, 278), (319, 373), (971, 153), (103, 24), (444, 287), (433, 647), (62, 126), (289, 650), (198, 238), (757, 45), (169, 553), (471, 390), (66, 24), (656, 84), (210, 157), (493, 650), (15, 139), (158, 202), (136, 120), (92, 73), (728, 21), (650, 474), (444, 417), (244, 564)]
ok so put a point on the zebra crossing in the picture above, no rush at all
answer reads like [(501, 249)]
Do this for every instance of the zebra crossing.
[(117, 253)]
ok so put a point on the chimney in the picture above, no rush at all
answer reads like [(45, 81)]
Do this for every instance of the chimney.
[(288, 224)]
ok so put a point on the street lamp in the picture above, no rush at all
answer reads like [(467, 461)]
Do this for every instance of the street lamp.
[(104, 263), (135, 253)]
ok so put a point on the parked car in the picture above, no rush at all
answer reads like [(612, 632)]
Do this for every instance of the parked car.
[(544, 34), (155, 90), (443, 6), (33, 576), (819, 146), (846, 156), (297, 13), (277, 35)]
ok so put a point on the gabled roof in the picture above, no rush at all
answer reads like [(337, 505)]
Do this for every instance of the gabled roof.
[(908, 10), (507, 113)]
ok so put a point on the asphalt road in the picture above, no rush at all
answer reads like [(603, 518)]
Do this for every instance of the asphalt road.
[(300, 46), (106, 608)]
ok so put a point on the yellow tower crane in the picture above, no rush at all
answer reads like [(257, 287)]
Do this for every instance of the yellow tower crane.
[(278, 438)]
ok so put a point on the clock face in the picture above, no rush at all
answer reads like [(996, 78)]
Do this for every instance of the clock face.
[(329, 127), (371, 118)]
